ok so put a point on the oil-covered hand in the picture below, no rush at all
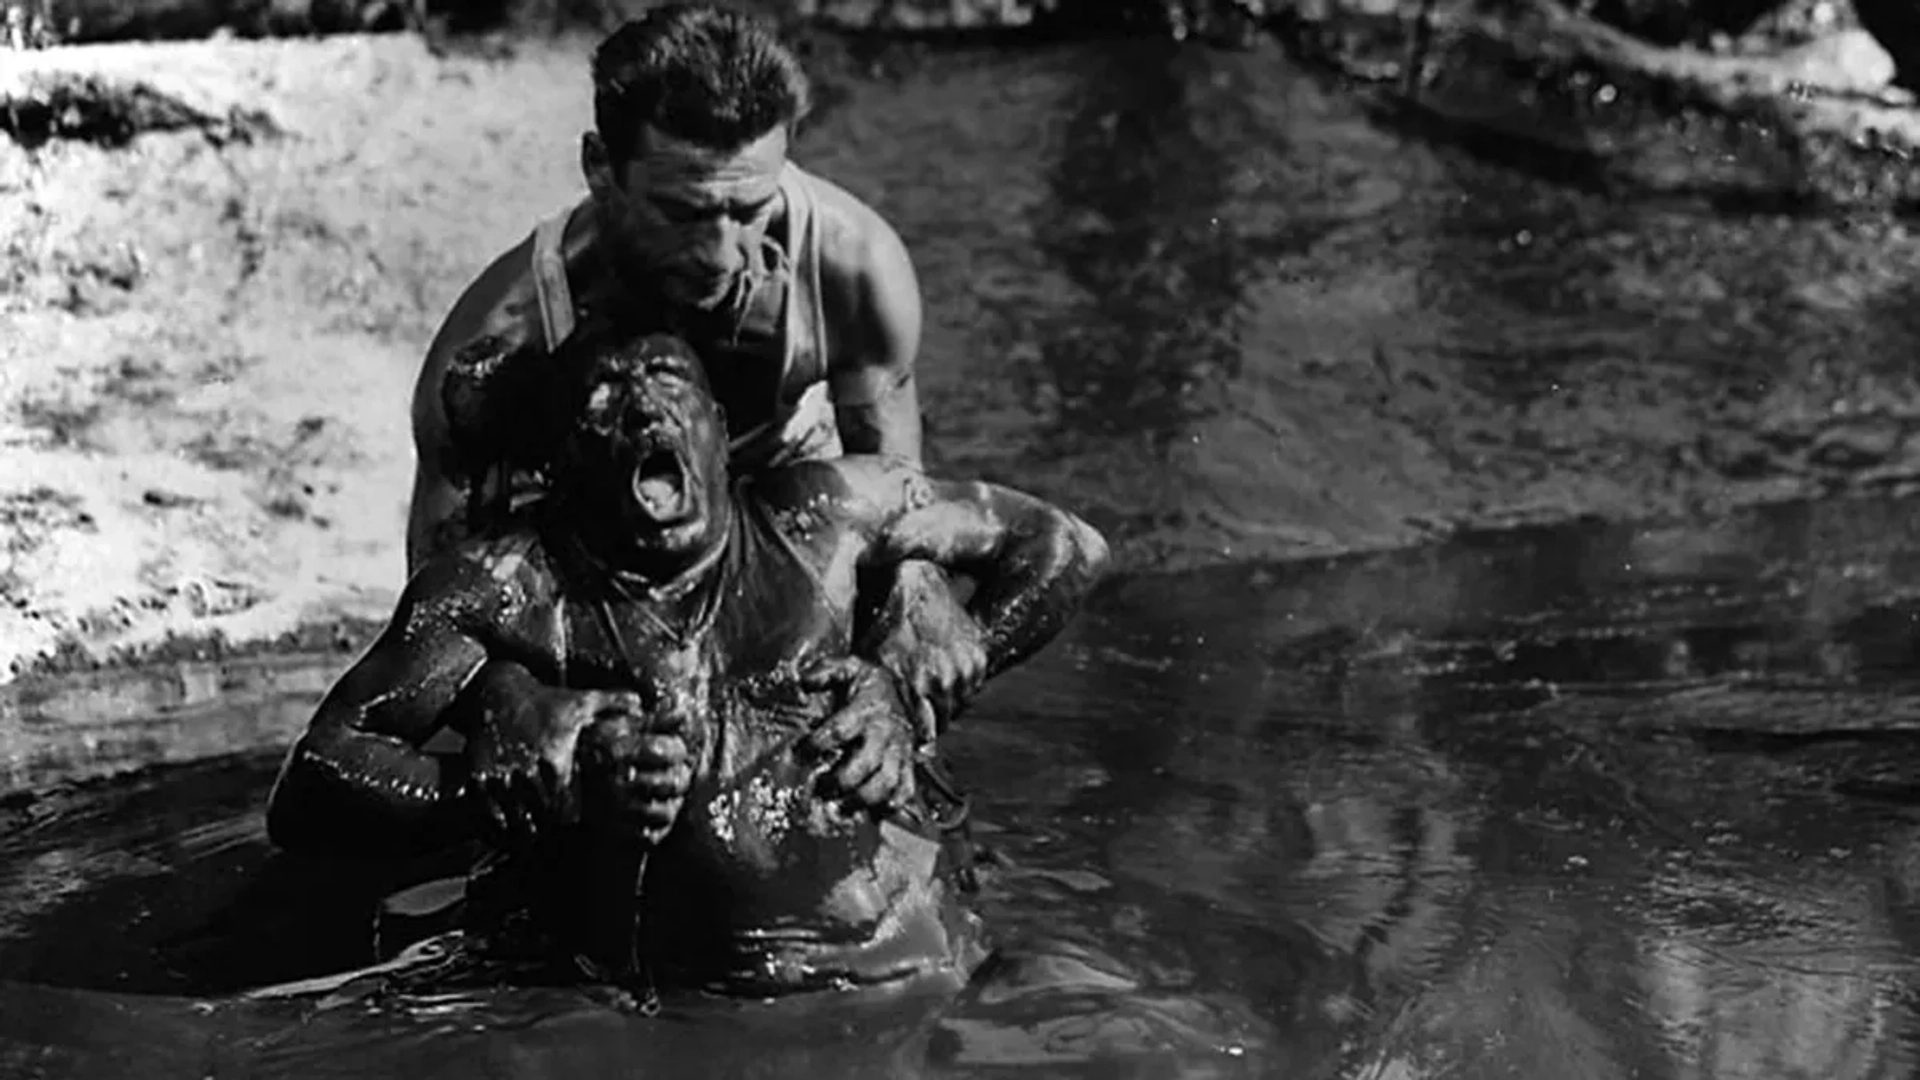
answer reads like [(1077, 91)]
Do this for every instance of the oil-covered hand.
[(868, 738), (933, 646), (521, 740), (635, 771)]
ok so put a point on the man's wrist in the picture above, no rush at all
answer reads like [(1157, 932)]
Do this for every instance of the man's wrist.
[(908, 703)]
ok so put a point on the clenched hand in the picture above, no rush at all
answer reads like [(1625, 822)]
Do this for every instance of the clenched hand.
[(933, 646), (521, 741), (635, 772), (868, 736)]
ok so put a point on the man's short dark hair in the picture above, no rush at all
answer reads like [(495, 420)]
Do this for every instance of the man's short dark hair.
[(710, 75)]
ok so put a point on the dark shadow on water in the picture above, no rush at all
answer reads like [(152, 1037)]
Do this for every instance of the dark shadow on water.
[(1593, 801), (1136, 226), (195, 902), (1568, 297), (1140, 221)]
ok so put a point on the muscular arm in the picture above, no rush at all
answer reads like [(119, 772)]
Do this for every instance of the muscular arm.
[(1034, 563), (871, 377), (877, 410), (357, 782)]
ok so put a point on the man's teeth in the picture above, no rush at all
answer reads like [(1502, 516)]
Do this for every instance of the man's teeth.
[(659, 486), (659, 492)]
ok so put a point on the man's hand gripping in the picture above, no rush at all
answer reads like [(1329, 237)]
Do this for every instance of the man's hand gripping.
[(526, 743), (933, 646), (868, 738)]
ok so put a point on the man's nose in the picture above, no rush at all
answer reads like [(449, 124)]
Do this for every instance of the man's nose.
[(720, 245)]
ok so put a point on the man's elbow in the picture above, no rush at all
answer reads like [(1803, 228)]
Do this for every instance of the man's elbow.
[(1086, 549), (1075, 552), (291, 831), (886, 426), (298, 818), (290, 818)]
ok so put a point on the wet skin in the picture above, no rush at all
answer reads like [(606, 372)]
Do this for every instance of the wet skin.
[(664, 681), (671, 234)]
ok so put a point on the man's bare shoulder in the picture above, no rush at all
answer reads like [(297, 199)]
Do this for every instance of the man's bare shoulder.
[(856, 240), (797, 484), (481, 580), (858, 487)]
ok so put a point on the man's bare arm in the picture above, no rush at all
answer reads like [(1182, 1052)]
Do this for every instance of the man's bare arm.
[(871, 376), (911, 620), (1034, 562), (358, 781)]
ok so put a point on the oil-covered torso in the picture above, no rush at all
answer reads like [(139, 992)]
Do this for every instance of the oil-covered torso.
[(762, 884)]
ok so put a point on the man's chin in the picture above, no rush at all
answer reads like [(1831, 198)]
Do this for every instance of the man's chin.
[(701, 296)]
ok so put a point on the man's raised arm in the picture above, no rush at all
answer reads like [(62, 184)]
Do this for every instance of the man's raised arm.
[(876, 404), (916, 630), (358, 781), (1033, 562)]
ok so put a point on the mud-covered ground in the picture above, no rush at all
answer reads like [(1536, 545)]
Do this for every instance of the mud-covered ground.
[(1200, 297)]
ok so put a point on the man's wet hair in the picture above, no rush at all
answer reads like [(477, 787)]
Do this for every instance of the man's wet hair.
[(703, 73)]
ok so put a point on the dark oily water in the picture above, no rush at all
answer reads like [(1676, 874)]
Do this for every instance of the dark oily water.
[(1201, 297), (1576, 802), (1587, 802)]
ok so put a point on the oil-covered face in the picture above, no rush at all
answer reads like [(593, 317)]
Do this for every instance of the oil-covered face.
[(690, 219), (649, 447)]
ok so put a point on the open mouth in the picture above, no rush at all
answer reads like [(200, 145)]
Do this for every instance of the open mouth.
[(660, 485)]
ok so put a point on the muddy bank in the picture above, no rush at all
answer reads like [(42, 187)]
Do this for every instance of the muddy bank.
[(1212, 304)]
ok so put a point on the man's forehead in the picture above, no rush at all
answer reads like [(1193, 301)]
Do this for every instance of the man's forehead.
[(631, 367), (669, 164)]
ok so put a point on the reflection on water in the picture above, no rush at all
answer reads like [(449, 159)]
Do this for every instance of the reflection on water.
[(1565, 803), (1587, 802)]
